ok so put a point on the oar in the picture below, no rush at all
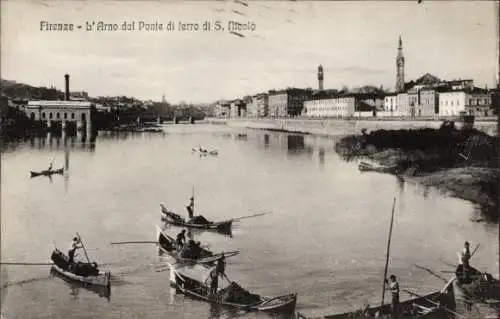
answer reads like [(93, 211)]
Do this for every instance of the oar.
[(474, 251), (432, 302), (387, 253), (133, 242), (432, 273), (249, 216), (25, 264), (83, 246)]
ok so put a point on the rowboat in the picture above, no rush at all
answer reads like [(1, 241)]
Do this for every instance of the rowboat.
[(366, 167), (87, 273), (197, 290), (175, 219), (428, 307), (166, 245), (477, 297), (102, 291), (47, 172), (206, 152)]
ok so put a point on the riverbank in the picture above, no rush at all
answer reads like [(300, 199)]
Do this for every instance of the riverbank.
[(461, 163)]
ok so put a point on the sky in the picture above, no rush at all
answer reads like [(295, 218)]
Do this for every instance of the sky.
[(356, 42)]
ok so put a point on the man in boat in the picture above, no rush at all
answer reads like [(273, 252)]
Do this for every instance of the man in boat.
[(220, 268), (50, 166), (463, 269), (394, 287), (181, 239), (214, 282), (195, 219), (75, 244)]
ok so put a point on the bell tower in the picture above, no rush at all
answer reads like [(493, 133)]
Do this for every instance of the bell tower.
[(320, 77), (400, 65)]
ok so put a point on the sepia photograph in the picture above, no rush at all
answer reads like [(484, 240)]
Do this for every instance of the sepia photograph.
[(255, 159)]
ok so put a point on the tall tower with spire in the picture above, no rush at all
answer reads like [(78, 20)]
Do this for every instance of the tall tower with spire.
[(320, 77), (400, 65)]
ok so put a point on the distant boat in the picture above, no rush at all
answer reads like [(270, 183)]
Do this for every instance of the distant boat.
[(367, 167), (206, 152), (47, 172)]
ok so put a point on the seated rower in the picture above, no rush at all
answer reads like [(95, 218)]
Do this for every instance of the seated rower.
[(180, 240)]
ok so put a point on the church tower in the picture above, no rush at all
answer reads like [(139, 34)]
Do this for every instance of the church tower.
[(320, 78), (400, 64)]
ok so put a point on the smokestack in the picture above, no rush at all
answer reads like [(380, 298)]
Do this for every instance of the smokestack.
[(66, 93)]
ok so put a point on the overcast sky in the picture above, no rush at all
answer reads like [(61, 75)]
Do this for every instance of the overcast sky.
[(355, 42)]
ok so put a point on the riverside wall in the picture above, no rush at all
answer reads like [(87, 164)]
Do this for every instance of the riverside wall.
[(344, 126)]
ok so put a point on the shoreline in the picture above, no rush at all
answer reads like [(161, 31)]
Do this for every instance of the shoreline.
[(416, 155)]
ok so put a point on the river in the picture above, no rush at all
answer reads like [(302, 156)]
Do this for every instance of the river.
[(325, 238)]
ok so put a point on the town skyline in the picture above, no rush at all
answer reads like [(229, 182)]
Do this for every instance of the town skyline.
[(284, 51)]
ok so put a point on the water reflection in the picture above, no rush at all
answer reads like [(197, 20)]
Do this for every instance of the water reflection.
[(321, 155)]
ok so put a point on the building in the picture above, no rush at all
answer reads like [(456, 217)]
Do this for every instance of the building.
[(455, 85), (400, 68), (237, 108), (428, 104), (289, 102), (342, 106), (262, 104), (479, 103), (390, 102), (252, 110), (62, 112), (222, 109), (403, 104), (320, 78), (452, 103)]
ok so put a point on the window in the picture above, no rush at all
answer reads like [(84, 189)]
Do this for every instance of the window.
[(65, 115), (43, 115), (50, 115), (72, 116), (58, 116)]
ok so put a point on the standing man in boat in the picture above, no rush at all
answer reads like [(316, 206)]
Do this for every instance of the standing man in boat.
[(75, 244), (221, 267), (214, 282), (180, 240), (463, 262), (190, 207), (50, 165), (394, 287)]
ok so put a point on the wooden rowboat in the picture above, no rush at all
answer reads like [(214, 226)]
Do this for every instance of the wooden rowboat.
[(366, 167), (166, 245), (197, 290), (102, 291), (86, 273), (47, 172), (175, 219)]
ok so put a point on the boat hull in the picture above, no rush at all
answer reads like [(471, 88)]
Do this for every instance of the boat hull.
[(47, 173), (103, 279), (174, 219), (471, 305), (195, 289)]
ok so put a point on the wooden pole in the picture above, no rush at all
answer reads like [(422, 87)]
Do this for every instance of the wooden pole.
[(83, 246), (387, 254)]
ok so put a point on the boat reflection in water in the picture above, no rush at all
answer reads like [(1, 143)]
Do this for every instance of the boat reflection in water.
[(104, 292)]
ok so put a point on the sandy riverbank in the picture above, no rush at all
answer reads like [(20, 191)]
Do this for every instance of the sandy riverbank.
[(461, 163)]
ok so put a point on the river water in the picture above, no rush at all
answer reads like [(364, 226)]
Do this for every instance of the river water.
[(325, 238)]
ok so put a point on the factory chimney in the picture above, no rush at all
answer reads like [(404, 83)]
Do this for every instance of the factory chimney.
[(66, 81)]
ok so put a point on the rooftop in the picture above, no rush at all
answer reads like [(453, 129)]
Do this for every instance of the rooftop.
[(65, 104)]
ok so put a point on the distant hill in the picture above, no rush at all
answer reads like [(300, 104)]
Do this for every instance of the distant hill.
[(427, 79), (16, 90)]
